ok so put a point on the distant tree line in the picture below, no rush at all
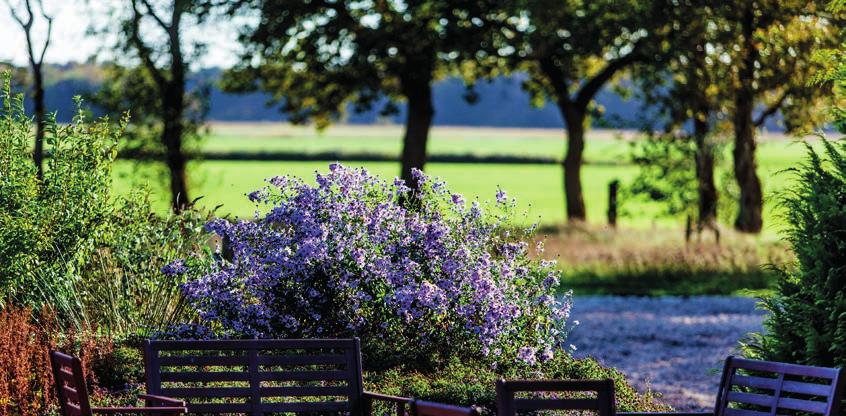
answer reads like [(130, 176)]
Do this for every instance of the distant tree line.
[(711, 69)]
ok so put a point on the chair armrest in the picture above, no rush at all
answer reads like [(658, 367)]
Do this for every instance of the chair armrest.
[(400, 402), (665, 413), (166, 401), (139, 410), (386, 397)]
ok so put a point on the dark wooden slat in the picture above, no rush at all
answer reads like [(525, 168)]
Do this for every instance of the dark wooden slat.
[(802, 405), (301, 391), (73, 409), (219, 407), (555, 385), (665, 413), (206, 392), (750, 398), (743, 412), (70, 393), (317, 375), (754, 382), (810, 389), (791, 369), (190, 360), (555, 404), (302, 359), (205, 376), (304, 407), (251, 344)]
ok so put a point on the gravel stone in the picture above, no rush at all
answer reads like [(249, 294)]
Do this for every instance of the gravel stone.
[(671, 345)]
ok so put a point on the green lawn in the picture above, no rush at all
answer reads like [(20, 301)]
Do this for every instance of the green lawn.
[(537, 187)]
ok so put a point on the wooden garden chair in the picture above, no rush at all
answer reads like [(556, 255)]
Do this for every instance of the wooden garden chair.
[(424, 408), (73, 393), (768, 388), (508, 404)]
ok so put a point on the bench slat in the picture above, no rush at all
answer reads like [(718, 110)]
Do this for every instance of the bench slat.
[(556, 404), (205, 376), (754, 382), (317, 375), (206, 392), (190, 360), (791, 369), (750, 398), (219, 408), (251, 344), (301, 359), (806, 388), (743, 412), (304, 407), (802, 405), (300, 391)]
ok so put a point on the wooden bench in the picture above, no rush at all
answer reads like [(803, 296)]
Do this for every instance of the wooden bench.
[(259, 377), (766, 388)]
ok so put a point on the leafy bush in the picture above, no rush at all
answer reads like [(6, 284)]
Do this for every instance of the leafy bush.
[(49, 225), (67, 244), (807, 324), (347, 258), (470, 383)]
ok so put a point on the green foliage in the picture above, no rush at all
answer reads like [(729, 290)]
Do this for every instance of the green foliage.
[(316, 59), (833, 61), (67, 244), (807, 324), (472, 383), (573, 48), (50, 225), (667, 174), (132, 90)]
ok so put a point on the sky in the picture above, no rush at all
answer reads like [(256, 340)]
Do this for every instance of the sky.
[(72, 19)]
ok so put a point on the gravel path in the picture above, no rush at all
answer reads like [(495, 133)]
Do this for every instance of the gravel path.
[(671, 345)]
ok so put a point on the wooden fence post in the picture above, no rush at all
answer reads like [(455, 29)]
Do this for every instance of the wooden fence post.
[(613, 186)]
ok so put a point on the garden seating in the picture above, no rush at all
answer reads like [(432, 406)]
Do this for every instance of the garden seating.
[(424, 408), (766, 388), (263, 376), (508, 404), (73, 393)]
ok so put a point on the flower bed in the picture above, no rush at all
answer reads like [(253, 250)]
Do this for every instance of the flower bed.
[(418, 275)]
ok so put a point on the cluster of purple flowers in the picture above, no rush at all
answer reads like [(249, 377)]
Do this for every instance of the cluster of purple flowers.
[(347, 257)]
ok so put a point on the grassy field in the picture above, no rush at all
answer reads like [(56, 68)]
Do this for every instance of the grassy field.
[(537, 187)]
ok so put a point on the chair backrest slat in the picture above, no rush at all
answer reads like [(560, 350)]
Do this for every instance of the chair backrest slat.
[(508, 404), (70, 384), (765, 388), (257, 376)]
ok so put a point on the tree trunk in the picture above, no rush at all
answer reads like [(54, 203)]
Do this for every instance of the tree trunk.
[(575, 120), (751, 199), (705, 175), (172, 141), (40, 115), (417, 125)]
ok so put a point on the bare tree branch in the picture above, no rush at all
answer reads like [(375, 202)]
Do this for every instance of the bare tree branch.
[(144, 51), (152, 13), (49, 20)]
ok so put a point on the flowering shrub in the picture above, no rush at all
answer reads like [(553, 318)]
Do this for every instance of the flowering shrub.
[(348, 258)]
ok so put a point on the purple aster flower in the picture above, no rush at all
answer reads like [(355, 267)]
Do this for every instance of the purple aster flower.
[(501, 196), (175, 268), (527, 355)]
